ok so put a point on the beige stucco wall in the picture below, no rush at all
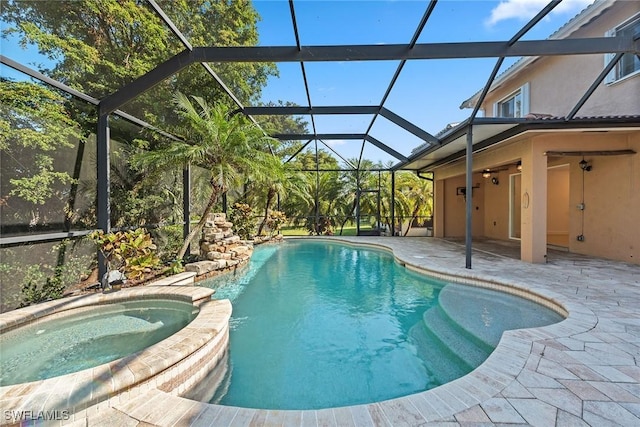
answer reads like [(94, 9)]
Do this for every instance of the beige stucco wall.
[(610, 222), (558, 199), (557, 83), (455, 207), (611, 193), (612, 206)]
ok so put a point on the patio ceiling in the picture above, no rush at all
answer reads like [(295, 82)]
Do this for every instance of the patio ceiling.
[(491, 131)]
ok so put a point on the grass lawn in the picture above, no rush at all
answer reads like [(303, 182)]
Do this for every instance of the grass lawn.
[(348, 230)]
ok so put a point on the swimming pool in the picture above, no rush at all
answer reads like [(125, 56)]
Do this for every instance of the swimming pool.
[(319, 325)]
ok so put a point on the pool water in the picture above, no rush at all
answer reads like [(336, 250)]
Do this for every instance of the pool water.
[(88, 338), (318, 325)]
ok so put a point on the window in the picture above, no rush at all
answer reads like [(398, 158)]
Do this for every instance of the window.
[(514, 105), (630, 63), (511, 107)]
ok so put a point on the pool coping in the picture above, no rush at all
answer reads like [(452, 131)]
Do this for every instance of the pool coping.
[(161, 365), (440, 404)]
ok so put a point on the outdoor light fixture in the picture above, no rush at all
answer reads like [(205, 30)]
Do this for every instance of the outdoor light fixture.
[(584, 165), (519, 166), (486, 173)]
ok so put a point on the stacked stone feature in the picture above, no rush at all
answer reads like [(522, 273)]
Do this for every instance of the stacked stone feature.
[(219, 247)]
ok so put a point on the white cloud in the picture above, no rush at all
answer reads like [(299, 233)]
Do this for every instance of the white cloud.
[(335, 142), (526, 9)]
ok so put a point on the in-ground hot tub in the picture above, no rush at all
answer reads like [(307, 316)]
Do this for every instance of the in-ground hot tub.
[(88, 337), (173, 336)]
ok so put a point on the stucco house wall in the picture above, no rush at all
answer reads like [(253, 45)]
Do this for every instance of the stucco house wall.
[(610, 191), (557, 83)]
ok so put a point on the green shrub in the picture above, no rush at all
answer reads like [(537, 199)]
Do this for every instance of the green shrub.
[(41, 281), (53, 288), (168, 239), (131, 252), (323, 227)]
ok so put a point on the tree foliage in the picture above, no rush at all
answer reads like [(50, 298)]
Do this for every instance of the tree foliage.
[(98, 46), (229, 146), (36, 137)]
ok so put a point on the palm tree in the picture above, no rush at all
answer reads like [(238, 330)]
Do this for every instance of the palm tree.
[(229, 147), (284, 181), (417, 196), (349, 201)]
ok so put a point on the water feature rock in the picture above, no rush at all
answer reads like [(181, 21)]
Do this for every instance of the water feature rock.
[(201, 267), (220, 247)]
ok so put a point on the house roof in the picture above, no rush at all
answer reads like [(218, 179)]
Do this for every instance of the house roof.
[(490, 131), (583, 18)]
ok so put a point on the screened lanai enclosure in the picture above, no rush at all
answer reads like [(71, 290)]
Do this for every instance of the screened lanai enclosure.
[(353, 95)]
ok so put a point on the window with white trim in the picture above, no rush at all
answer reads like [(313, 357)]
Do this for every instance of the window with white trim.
[(514, 105), (629, 63)]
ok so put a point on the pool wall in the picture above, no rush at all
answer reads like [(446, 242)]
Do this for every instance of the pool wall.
[(173, 365)]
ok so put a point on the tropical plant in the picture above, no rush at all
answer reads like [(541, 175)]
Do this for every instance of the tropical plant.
[(349, 200), (416, 196), (228, 146), (316, 194), (275, 221), (242, 218), (287, 182), (130, 252)]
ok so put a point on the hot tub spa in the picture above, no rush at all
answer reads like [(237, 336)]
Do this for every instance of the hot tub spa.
[(72, 353), (85, 338)]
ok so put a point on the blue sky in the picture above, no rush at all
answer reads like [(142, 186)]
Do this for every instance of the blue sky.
[(428, 92)]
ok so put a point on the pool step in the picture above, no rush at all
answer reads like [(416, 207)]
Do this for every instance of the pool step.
[(484, 313), (459, 340), (443, 365)]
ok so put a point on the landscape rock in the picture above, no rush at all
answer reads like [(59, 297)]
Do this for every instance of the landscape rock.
[(221, 248), (201, 267)]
